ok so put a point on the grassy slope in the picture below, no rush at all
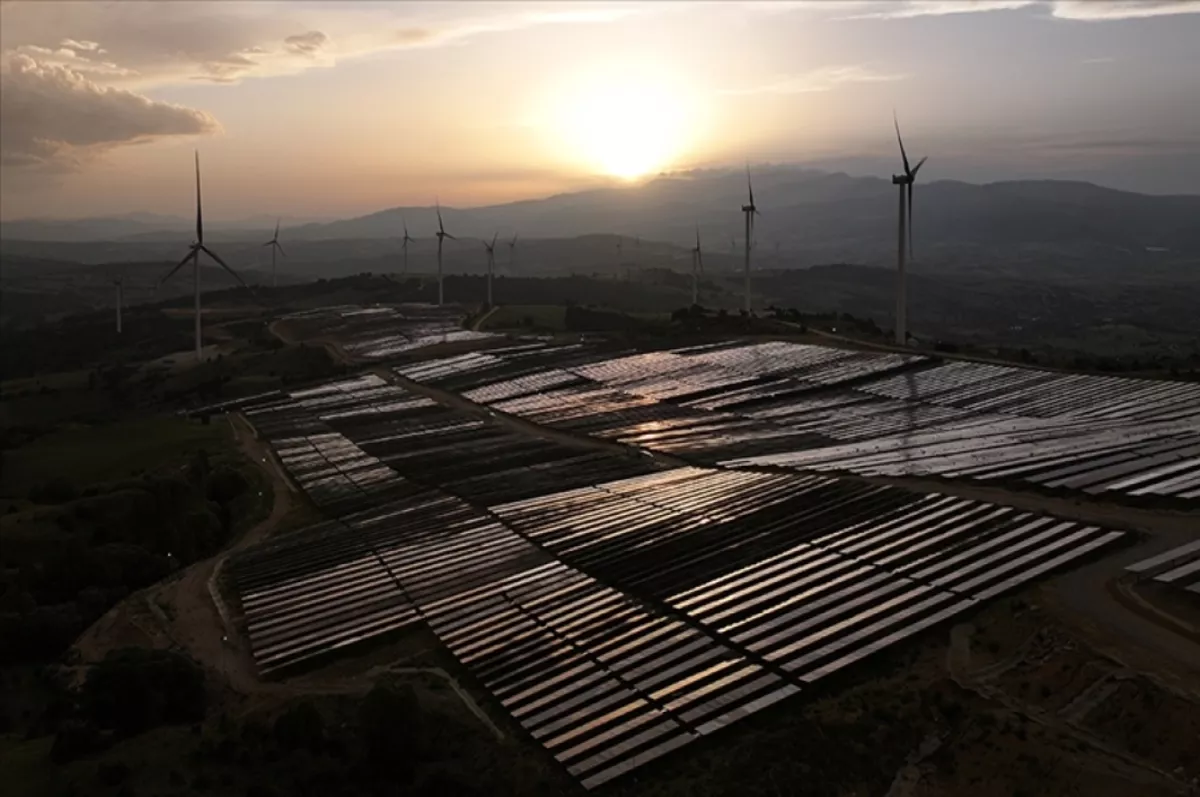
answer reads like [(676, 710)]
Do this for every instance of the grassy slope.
[(94, 454)]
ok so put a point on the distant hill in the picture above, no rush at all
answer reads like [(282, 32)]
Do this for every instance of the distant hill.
[(808, 218), (133, 226)]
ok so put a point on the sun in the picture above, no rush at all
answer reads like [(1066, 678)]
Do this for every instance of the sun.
[(625, 125)]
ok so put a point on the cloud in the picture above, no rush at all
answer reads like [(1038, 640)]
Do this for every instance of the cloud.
[(1087, 10), (1098, 10), (825, 78), (54, 118), (141, 45), (906, 9), (306, 43)]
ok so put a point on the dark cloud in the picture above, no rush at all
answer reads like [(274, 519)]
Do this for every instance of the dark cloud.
[(309, 43), (55, 118)]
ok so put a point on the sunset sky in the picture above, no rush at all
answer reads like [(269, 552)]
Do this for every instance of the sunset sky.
[(342, 108)]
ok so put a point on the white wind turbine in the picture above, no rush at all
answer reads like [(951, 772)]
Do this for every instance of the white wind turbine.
[(193, 256), (491, 265), (404, 244), (905, 182), (275, 247), (697, 268), (441, 235), (750, 210)]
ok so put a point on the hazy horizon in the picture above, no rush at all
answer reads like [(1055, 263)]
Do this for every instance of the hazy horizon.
[(332, 110)]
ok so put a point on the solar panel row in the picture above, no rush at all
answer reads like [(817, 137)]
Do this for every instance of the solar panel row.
[(1178, 567), (820, 408)]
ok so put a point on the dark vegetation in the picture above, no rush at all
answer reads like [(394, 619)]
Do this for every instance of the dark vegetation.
[(400, 738), (72, 553)]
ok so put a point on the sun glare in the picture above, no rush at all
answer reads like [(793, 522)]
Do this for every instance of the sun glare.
[(626, 126)]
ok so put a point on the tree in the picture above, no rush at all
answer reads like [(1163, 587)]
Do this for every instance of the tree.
[(390, 721), (133, 690), (300, 727)]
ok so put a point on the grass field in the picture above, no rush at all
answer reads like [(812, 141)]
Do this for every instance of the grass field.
[(95, 454)]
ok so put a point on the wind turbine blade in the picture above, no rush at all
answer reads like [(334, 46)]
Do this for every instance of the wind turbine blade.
[(514, 240), (439, 214), (903, 154), (269, 243), (749, 185), (494, 237), (910, 223), (700, 259), (697, 237), (277, 228), (199, 218), (917, 168), (224, 265), (191, 253), (282, 251), (448, 235)]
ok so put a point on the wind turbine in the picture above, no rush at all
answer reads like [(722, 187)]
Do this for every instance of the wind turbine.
[(120, 283), (404, 244), (512, 250), (193, 256), (905, 182), (491, 265), (275, 246), (441, 235), (697, 267), (751, 211)]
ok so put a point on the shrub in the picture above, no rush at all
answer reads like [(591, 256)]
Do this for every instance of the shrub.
[(134, 690)]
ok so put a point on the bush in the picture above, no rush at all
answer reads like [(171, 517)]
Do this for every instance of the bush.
[(225, 485), (391, 728), (300, 727), (75, 739), (134, 690), (55, 491)]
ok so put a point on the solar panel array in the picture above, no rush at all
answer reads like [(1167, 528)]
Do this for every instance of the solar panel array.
[(384, 331), (819, 408), (1178, 567), (616, 610)]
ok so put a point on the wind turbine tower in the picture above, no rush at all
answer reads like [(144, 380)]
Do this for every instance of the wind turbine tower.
[(491, 265), (441, 235), (120, 283), (751, 211), (404, 245), (275, 246), (905, 182), (697, 268), (193, 256)]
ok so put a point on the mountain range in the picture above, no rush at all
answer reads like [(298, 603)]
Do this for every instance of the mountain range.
[(807, 217)]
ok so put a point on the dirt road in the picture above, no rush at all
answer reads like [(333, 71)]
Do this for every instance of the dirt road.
[(182, 612)]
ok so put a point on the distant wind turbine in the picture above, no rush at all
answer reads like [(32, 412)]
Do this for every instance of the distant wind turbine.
[(697, 268), (275, 246), (441, 235), (193, 256), (120, 283), (491, 265), (905, 182), (404, 244), (512, 251), (751, 211)]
